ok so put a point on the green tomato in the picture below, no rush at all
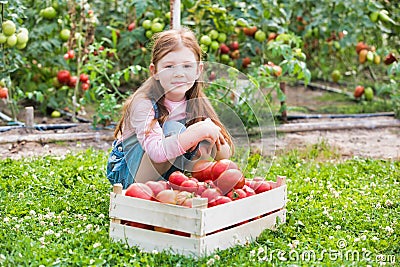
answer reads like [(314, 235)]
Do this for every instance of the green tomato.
[(3, 38), (56, 114), (12, 40), (149, 34), (368, 94), (205, 40), (64, 34), (157, 27), (213, 34), (21, 46), (370, 56), (146, 24), (336, 75), (22, 38), (260, 36), (9, 27), (374, 16), (214, 45), (241, 22), (48, 13), (222, 37), (225, 58)]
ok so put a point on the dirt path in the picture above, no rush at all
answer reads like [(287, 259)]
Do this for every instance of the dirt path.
[(368, 142), (382, 143)]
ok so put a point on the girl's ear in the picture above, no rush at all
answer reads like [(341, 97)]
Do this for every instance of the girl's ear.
[(152, 69), (200, 69)]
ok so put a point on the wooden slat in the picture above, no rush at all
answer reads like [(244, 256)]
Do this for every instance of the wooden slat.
[(149, 240), (238, 211), (241, 234), (158, 214)]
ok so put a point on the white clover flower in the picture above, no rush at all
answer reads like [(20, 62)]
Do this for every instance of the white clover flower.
[(210, 261), (388, 203), (389, 229), (357, 239), (217, 257), (338, 227), (331, 237), (48, 232), (89, 226), (6, 219), (96, 245), (32, 212)]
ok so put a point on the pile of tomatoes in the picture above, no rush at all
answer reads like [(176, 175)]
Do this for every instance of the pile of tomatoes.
[(218, 181)]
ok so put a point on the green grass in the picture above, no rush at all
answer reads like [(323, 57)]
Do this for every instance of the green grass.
[(54, 212)]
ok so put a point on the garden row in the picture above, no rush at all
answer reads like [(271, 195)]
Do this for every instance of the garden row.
[(108, 42)]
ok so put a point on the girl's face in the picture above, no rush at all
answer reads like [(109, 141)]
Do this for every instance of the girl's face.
[(177, 71)]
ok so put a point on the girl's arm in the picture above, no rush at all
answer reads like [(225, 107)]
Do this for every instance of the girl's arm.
[(200, 131)]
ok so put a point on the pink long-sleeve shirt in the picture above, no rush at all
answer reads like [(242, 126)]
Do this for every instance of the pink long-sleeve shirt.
[(153, 142)]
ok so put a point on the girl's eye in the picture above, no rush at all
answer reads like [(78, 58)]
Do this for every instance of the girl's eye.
[(188, 66), (169, 66)]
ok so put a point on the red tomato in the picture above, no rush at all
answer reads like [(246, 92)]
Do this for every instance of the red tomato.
[(84, 77), (236, 194), (139, 190), (162, 229), (230, 179), (211, 193), (249, 191), (189, 185), (176, 232), (85, 86), (71, 54), (131, 26), (3, 92), (202, 170), (176, 178), (220, 166), (72, 81), (140, 225), (258, 184), (167, 196), (219, 201), (202, 186), (157, 187), (185, 198), (63, 76)]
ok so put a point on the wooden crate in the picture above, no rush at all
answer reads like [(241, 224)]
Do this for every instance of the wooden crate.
[(216, 228)]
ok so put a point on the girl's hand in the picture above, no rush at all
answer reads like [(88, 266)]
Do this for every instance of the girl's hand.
[(209, 130)]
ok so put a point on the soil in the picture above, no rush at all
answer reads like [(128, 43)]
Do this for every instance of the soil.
[(378, 143)]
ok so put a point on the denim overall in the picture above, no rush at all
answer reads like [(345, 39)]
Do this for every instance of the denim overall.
[(125, 157)]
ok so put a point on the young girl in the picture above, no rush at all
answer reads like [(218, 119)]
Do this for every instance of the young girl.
[(168, 122)]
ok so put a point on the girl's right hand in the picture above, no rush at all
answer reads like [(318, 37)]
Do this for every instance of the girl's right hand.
[(211, 132), (200, 131)]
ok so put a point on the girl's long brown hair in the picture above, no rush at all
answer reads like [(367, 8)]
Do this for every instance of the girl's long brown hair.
[(199, 107)]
